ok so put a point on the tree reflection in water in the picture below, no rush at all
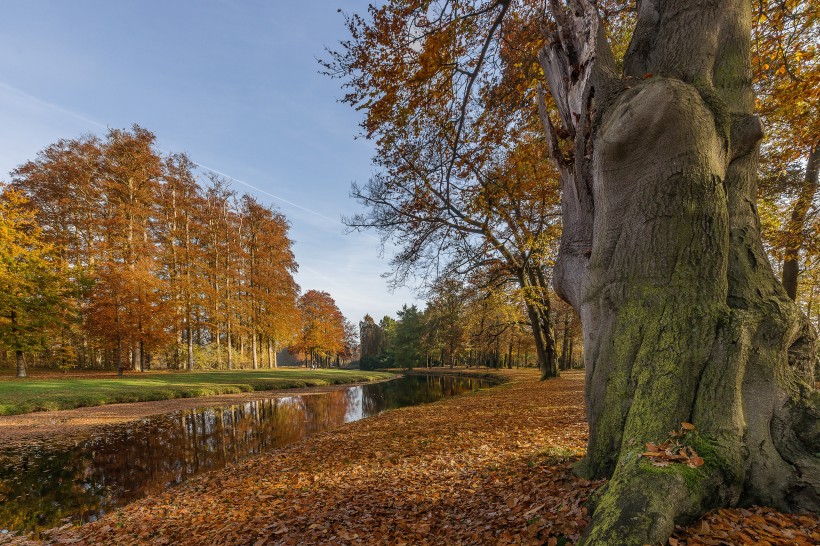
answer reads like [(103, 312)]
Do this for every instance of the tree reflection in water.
[(44, 485)]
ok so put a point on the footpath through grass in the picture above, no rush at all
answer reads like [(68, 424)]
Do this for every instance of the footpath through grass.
[(28, 395)]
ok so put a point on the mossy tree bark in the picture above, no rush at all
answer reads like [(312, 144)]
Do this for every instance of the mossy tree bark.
[(683, 317)]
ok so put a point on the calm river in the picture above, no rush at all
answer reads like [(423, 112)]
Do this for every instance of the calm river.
[(44, 485)]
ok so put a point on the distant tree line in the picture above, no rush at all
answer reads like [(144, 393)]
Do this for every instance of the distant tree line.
[(114, 255), (465, 325)]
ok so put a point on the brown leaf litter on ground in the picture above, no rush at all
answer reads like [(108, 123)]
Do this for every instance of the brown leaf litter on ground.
[(491, 467)]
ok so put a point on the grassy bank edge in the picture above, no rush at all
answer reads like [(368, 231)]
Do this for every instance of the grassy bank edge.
[(488, 374), (28, 396)]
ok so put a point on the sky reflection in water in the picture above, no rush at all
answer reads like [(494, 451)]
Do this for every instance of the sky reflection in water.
[(44, 485)]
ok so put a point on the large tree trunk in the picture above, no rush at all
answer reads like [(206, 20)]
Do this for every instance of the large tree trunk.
[(684, 319)]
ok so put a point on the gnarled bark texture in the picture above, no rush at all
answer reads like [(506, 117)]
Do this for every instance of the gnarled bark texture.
[(683, 317)]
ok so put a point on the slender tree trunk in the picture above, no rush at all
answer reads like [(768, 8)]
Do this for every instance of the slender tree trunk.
[(142, 355), (135, 356), (563, 362), (21, 365), (18, 353), (538, 310), (684, 319), (518, 352), (797, 223), (118, 356), (254, 351), (189, 340), (229, 345), (218, 348)]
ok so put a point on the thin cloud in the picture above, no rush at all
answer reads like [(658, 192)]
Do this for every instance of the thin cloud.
[(51, 105), (259, 190)]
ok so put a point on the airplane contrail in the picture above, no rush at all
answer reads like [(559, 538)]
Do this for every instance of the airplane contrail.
[(52, 106), (282, 199)]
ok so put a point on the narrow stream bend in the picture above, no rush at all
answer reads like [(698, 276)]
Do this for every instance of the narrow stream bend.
[(43, 485)]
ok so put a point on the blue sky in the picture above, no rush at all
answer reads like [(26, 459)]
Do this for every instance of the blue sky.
[(233, 84)]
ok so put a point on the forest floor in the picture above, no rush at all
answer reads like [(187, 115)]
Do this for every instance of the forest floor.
[(56, 392), (489, 467)]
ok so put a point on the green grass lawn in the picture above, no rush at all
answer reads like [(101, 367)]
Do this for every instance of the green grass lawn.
[(27, 395)]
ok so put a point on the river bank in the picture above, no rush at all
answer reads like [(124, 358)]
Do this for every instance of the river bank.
[(489, 467), (67, 425), (53, 393)]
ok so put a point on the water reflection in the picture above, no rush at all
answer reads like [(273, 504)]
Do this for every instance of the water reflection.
[(44, 485)]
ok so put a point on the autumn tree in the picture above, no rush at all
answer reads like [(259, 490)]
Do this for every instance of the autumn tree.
[(496, 320), (661, 254), (270, 288), (222, 254), (322, 334), (156, 261), (64, 186), (352, 347), (786, 64), (131, 172), (34, 299), (683, 315), (445, 320), (464, 169), (180, 207), (568, 331)]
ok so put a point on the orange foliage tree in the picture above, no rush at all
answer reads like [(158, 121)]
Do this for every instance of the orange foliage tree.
[(323, 335), (158, 265), (35, 304), (786, 63)]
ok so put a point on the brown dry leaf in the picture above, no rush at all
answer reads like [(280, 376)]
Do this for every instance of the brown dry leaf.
[(479, 469), (652, 454), (696, 461)]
